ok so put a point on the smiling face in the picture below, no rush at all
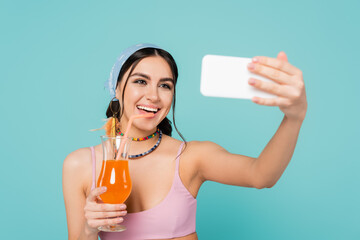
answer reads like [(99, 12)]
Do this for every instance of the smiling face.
[(150, 88)]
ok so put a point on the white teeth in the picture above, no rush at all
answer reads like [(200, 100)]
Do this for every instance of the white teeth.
[(147, 109)]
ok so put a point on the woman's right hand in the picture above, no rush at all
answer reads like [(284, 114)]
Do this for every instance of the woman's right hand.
[(101, 214)]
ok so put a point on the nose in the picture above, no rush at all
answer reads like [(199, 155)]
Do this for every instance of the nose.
[(152, 94)]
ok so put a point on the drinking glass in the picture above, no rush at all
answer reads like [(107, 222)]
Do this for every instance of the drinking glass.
[(114, 174)]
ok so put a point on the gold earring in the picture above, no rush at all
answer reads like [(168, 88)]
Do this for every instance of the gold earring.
[(112, 123)]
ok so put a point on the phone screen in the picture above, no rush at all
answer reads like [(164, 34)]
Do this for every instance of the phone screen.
[(224, 76)]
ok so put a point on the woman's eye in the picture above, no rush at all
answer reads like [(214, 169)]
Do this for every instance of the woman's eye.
[(140, 81), (165, 86)]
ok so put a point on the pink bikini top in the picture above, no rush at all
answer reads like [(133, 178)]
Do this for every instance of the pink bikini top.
[(174, 217)]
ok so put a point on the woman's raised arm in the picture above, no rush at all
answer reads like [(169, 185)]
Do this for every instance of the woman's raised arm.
[(216, 164)]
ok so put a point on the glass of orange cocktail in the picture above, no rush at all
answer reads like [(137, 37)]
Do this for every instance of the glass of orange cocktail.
[(114, 174)]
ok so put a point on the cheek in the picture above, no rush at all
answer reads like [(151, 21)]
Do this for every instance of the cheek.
[(167, 99), (132, 95)]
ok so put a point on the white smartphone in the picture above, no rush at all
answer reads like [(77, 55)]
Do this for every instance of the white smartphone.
[(223, 76)]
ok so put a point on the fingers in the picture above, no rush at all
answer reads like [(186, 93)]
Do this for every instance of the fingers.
[(103, 207), (95, 193), (287, 85), (282, 56), (95, 223), (272, 73), (101, 215), (282, 102), (104, 214), (271, 87), (277, 63)]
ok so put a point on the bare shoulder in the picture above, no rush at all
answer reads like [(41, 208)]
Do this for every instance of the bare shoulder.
[(197, 152), (202, 148), (77, 169), (77, 159), (193, 149), (171, 140), (171, 144)]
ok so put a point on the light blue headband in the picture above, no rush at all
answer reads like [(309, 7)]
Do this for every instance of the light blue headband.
[(110, 84)]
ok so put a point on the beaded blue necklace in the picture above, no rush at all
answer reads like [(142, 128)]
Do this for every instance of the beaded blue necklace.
[(151, 149)]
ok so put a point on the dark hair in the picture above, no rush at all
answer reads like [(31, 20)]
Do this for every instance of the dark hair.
[(131, 62)]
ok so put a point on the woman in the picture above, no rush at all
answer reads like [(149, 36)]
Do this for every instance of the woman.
[(162, 204)]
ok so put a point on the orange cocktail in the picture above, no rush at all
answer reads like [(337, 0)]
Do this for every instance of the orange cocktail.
[(114, 175), (114, 172)]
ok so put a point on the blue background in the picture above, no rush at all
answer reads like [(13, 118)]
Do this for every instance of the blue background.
[(56, 55)]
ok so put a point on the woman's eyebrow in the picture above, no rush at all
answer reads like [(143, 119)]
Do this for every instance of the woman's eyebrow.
[(167, 80), (140, 75), (147, 77)]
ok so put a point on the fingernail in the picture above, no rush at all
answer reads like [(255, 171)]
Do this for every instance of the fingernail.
[(119, 220), (251, 66), (122, 206), (104, 189), (255, 59), (251, 81)]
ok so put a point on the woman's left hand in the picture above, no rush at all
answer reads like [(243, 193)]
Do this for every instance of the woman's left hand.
[(287, 85)]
